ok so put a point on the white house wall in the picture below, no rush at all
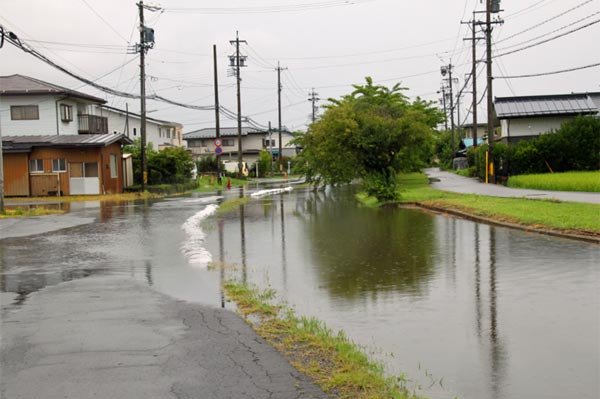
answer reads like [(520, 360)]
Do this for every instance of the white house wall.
[(116, 123), (71, 127), (531, 126), (45, 125)]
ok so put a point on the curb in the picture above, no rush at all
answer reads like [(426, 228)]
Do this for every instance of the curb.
[(476, 218)]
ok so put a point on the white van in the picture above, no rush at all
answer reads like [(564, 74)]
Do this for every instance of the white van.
[(232, 167)]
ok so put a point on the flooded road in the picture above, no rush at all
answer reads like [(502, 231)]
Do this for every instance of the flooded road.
[(464, 309)]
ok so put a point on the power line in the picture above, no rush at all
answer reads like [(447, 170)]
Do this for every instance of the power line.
[(549, 39), (545, 21), (533, 75), (266, 9), (104, 20)]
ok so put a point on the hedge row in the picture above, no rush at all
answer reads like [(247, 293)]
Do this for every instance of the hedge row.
[(575, 146)]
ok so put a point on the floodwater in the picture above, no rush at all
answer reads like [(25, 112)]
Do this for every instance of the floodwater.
[(463, 309)]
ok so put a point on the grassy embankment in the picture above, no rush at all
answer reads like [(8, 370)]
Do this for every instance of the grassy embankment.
[(336, 364), (20, 212), (79, 198), (42, 205), (210, 184), (566, 181), (568, 217)]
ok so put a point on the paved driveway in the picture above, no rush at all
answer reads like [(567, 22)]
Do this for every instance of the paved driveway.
[(452, 182)]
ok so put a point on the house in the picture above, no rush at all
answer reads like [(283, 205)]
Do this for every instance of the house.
[(64, 164), (30, 106), (33, 107), (526, 117), (202, 143), (161, 134)]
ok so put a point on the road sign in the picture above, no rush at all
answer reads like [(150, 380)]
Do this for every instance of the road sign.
[(218, 150), (218, 142)]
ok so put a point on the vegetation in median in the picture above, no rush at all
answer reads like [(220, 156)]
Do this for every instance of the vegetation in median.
[(334, 362), (28, 212), (79, 198), (565, 216), (369, 134), (566, 181), (209, 183), (232, 204)]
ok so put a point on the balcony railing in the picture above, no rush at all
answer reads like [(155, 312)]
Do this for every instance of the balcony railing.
[(92, 124)]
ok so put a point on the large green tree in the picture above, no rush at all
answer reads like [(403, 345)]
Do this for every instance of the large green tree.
[(372, 134)]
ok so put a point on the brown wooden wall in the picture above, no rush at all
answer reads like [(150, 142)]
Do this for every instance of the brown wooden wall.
[(16, 175), (111, 185)]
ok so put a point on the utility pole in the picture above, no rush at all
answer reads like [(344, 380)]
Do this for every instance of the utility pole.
[(217, 119), (146, 42), (490, 97), (447, 70), (127, 119), (474, 77), (271, 146), (237, 62), (443, 92), (279, 87), (492, 7), (314, 99)]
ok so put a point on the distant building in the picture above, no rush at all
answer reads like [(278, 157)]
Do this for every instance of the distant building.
[(161, 134), (31, 107), (526, 117), (202, 143)]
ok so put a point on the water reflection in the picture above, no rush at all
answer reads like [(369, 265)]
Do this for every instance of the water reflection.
[(363, 250)]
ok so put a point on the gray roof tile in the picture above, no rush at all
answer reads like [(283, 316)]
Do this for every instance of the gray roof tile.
[(561, 104)]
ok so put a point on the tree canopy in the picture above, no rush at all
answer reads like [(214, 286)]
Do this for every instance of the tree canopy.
[(372, 134)]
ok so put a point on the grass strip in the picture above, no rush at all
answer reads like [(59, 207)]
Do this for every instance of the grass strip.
[(28, 212), (569, 217), (79, 198), (208, 183), (334, 362), (232, 204), (566, 181)]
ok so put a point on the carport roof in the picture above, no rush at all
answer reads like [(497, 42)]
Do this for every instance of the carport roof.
[(545, 105), (26, 143)]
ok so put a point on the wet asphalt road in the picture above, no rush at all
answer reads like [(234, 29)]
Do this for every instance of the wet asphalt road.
[(451, 182), (109, 337), (113, 337)]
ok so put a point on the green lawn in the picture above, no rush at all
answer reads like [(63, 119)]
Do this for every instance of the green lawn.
[(566, 181), (580, 217)]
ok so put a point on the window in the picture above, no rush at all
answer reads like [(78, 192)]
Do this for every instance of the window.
[(66, 113), (113, 166), (195, 143), (266, 143), (59, 165), (90, 170), (228, 142), (24, 112), (134, 132), (36, 166)]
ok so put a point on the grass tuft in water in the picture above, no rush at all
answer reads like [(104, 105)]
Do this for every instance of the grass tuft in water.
[(29, 212), (232, 204), (336, 364)]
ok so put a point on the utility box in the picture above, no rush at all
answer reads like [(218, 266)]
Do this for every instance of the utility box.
[(148, 35), (495, 6)]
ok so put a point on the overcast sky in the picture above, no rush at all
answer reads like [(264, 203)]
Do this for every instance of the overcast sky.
[(329, 45)]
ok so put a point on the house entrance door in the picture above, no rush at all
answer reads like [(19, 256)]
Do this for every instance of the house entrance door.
[(83, 178)]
